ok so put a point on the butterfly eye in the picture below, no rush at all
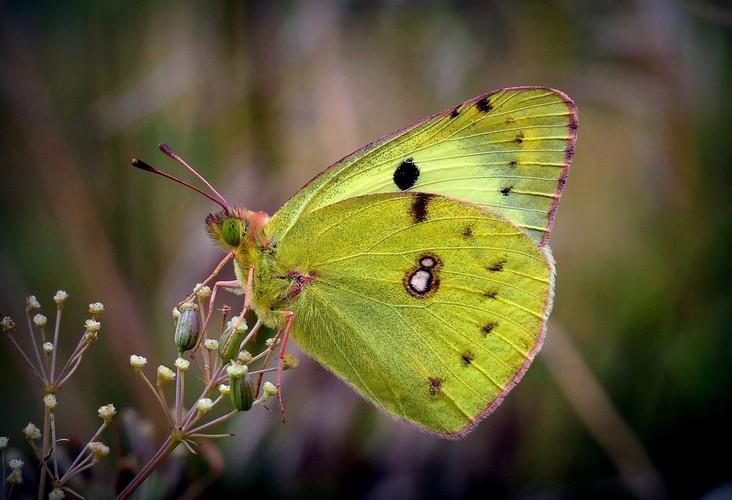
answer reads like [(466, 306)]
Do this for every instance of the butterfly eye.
[(232, 230)]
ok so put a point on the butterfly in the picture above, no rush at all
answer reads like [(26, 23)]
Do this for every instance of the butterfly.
[(417, 268)]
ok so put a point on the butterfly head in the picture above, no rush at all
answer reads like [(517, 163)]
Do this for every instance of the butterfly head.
[(237, 227)]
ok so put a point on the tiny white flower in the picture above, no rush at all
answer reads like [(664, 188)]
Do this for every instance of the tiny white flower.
[(138, 362), (106, 412), (40, 320), (3, 442), (96, 308), (182, 364), (56, 494), (31, 432), (268, 390), (50, 401), (16, 472), (236, 369), (165, 374), (224, 389), (99, 449), (48, 347), (16, 463), (245, 357), (60, 297), (204, 292), (204, 405), (290, 362), (92, 325), (31, 303), (272, 342), (211, 344), (8, 323)]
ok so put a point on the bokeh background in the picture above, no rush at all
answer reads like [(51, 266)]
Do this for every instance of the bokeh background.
[(631, 395)]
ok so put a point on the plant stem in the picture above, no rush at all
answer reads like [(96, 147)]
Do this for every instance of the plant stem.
[(166, 449)]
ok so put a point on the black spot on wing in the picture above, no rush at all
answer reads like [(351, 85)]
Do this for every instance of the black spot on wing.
[(488, 328), (519, 138), (466, 358), (506, 190), (455, 112), (435, 384), (490, 294), (497, 265), (406, 174), (420, 206), (513, 163), (467, 232), (484, 105)]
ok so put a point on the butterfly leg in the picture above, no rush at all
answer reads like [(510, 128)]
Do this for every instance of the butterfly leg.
[(216, 271), (225, 284), (285, 336)]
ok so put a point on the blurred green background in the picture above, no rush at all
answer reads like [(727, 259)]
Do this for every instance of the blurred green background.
[(630, 396)]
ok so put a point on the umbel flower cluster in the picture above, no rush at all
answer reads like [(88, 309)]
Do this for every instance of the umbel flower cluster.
[(42, 359), (221, 364)]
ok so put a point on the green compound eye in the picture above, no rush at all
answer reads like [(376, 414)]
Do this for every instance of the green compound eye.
[(232, 230)]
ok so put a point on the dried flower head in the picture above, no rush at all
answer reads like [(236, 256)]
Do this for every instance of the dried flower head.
[(40, 320), (165, 375), (16, 472), (268, 390), (31, 432), (138, 362), (182, 364), (204, 405), (60, 297), (290, 362), (106, 412), (92, 325), (204, 292), (236, 370), (8, 324), (98, 448), (50, 401), (16, 463), (31, 303), (96, 308), (56, 494)]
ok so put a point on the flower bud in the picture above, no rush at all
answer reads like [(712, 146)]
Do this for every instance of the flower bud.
[(188, 328), (231, 339), (240, 387)]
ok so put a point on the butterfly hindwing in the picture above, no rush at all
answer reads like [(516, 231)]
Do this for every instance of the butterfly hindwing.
[(508, 151), (429, 307)]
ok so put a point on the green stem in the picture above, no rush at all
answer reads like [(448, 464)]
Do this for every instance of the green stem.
[(166, 449)]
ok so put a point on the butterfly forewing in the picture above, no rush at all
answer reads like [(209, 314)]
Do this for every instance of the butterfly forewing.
[(508, 151), (430, 307)]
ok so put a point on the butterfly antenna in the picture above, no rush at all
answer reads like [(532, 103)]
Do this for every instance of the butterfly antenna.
[(149, 168), (169, 152)]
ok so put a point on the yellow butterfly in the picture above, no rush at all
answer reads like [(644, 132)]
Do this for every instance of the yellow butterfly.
[(416, 268)]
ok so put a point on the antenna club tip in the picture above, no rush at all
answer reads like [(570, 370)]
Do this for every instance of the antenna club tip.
[(136, 162)]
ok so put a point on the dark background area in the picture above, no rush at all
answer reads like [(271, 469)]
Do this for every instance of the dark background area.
[(631, 395)]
